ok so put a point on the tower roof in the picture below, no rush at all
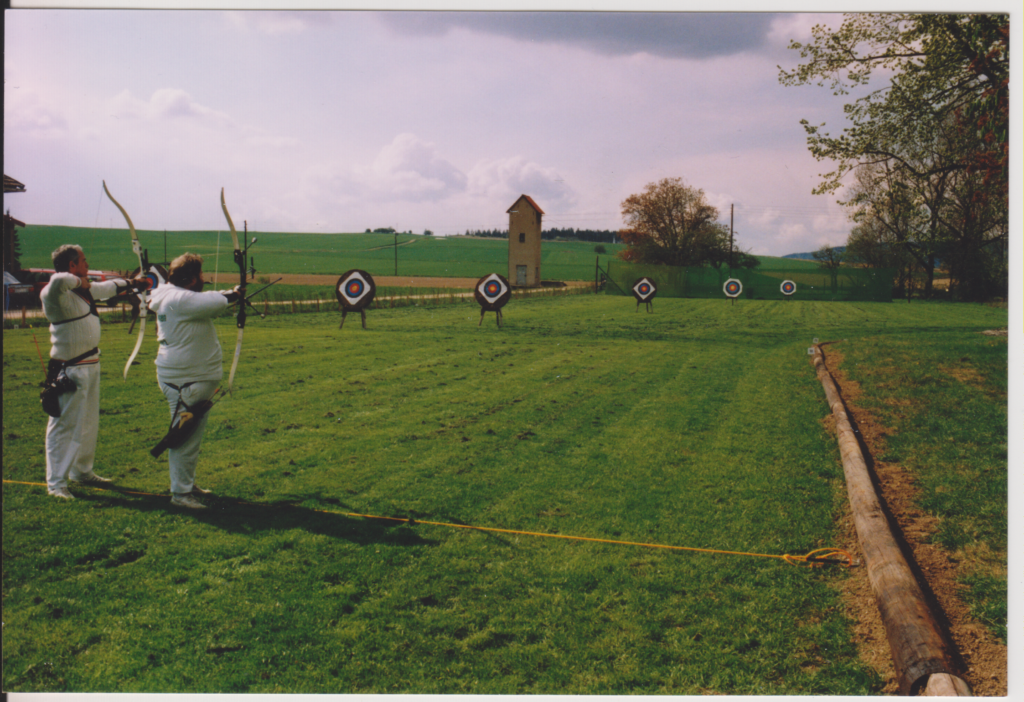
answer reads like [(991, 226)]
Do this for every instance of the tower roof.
[(528, 200)]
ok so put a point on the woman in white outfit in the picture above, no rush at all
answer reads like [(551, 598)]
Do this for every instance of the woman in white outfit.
[(189, 363)]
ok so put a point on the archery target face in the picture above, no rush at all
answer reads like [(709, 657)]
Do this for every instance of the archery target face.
[(788, 287), (156, 275), (644, 289), (355, 289), (492, 292), (732, 287)]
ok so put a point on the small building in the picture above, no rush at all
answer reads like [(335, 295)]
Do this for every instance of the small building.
[(524, 227)]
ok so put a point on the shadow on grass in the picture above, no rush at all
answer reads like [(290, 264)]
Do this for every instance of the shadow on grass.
[(239, 516)]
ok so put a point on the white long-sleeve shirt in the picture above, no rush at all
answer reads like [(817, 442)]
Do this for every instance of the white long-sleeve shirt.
[(189, 348), (69, 339)]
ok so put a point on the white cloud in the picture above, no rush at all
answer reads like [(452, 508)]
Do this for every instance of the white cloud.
[(167, 104), (507, 178), (31, 119), (412, 169)]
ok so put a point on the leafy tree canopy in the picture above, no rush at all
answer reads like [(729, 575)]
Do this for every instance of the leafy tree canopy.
[(943, 67), (672, 223)]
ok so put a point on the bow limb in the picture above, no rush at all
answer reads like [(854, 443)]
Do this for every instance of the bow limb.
[(143, 268), (240, 260)]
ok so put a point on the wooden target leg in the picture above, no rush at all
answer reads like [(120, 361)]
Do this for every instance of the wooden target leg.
[(362, 313), (498, 316), (343, 313), (482, 311)]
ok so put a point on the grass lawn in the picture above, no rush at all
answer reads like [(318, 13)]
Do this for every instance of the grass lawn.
[(698, 425)]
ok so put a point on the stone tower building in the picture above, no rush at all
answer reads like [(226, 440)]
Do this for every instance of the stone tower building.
[(524, 227)]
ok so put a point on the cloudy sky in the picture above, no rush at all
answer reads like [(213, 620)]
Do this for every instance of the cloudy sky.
[(347, 120)]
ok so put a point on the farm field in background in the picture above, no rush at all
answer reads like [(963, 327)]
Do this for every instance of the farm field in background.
[(326, 254), (698, 425)]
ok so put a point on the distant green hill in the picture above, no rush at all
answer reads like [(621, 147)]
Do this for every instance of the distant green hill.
[(326, 254), (810, 256)]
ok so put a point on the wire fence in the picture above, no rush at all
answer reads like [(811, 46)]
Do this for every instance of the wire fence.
[(846, 284)]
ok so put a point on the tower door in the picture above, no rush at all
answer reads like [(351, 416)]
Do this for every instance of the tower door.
[(520, 275)]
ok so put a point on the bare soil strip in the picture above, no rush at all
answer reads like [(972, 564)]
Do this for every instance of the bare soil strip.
[(983, 656), (395, 281)]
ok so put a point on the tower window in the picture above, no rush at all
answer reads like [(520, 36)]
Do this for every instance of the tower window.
[(522, 238)]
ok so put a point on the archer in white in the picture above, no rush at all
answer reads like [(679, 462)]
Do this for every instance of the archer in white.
[(70, 307), (189, 363)]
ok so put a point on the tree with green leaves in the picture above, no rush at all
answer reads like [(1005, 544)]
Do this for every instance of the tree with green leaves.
[(888, 221), (830, 258), (672, 223), (939, 125)]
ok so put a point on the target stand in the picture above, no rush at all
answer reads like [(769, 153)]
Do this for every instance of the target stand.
[(644, 291), (355, 290), (732, 289), (492, 292)]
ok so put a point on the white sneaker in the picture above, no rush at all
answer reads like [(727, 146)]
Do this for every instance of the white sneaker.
[(90, 477), (187, 501), (62, 492)]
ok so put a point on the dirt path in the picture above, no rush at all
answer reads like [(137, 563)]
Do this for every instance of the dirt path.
[(394, 281), (983, 656)]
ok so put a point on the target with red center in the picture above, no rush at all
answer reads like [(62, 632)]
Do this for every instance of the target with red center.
[(732, 287), (355, 290), (644, 290), (788, 287), (492, 292), (156, 275)]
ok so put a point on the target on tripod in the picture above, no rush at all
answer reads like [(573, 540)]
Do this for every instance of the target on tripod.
[(492, 292), (355, 290), (788, 287), (644, 290), (732, 287)]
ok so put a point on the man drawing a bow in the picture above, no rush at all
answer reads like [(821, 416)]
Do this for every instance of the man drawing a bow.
[(72, 394)]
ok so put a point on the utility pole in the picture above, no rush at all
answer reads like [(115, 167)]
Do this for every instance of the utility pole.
[(396, 252), (730, 238)]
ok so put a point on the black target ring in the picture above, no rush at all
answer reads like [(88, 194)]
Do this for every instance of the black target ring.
[(492, 292), (355, 290)]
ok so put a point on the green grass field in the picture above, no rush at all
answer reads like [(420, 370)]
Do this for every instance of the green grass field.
[(699, 425), (324, 254)]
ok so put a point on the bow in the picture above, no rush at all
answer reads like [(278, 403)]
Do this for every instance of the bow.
[(144, 268), (240, 254)]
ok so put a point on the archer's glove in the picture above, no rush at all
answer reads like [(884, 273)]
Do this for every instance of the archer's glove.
[(235, 295)]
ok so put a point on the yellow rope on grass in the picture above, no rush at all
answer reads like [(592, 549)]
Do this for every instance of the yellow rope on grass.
[(817, 557)]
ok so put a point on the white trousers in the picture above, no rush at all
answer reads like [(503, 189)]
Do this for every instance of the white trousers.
[(71, 437), (183, 460)]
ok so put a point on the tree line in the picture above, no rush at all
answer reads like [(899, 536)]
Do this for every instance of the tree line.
[(571, 234)]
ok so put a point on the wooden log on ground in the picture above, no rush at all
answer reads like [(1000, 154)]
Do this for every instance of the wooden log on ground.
[(944, 685), (919, 648)]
